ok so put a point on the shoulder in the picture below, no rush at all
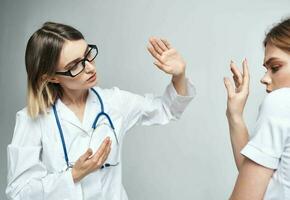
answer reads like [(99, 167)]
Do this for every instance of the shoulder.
[(277, 103), (278, 96), (27, 130), (24, 115)]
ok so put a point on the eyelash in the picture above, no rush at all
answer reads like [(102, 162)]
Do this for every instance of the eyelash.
[(275, 68)]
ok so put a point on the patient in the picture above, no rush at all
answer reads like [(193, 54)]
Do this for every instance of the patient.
[(263, 161)]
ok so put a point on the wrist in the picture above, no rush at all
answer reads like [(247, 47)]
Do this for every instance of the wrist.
[(75, 175), (178, 77), (235, 118)]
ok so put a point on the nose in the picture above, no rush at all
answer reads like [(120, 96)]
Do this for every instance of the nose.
[(266, 79), (89, 67)]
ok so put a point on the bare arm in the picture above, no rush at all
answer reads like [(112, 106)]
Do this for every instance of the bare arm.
[(237, 97), (239, 138), (252, 181)]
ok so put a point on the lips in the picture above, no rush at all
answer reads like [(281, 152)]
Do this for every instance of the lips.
[(92, 78), (268, 91)]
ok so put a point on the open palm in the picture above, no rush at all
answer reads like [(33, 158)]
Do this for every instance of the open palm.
[(167, 58)]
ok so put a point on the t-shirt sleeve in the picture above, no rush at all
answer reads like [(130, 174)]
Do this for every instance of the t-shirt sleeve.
[(271, 132)]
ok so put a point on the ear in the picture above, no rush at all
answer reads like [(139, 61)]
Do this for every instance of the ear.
[(51, 79)]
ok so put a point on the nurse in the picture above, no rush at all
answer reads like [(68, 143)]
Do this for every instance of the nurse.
[(264, 161), (67, 142)]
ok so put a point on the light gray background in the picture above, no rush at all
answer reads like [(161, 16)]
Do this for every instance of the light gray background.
[(187, 159)]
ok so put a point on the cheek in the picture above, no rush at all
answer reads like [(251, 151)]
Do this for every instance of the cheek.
[(71, 83), (282, 79)]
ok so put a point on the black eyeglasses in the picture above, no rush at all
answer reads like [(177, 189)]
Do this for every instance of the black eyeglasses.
[(78, 67)]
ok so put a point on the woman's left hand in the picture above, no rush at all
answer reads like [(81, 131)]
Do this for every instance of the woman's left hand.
[(167, 58)]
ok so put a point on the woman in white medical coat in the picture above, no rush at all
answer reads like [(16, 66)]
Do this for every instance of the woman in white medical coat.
[(67, 142), (263, 161)]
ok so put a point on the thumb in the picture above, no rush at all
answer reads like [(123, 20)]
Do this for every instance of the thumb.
[(229, 87)]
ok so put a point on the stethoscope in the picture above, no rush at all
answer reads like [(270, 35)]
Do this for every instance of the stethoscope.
[(102, 113)]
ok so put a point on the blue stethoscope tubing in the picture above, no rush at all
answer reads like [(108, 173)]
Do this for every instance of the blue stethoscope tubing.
[(102, 113)]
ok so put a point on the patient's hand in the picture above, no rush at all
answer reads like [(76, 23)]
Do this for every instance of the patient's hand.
[(238, 93)]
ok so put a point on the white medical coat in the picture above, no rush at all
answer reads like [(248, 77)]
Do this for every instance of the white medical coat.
[(36, 164)]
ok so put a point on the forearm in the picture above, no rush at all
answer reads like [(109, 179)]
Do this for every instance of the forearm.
[(179, 83), (239, 137)]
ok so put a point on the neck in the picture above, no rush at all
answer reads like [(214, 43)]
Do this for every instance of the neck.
[(74, 97)]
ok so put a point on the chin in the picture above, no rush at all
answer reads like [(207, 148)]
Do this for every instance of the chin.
[(92, 84)]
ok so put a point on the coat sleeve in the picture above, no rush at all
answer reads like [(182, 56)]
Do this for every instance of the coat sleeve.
[(27, 176), (154, 110)]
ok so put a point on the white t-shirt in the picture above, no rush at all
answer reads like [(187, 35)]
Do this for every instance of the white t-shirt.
[(36, 165), (270, 143)]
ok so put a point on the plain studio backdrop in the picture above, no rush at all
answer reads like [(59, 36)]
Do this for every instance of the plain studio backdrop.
[(187, 159)]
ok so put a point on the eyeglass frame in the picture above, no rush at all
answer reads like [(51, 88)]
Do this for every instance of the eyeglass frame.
[(83, 61)]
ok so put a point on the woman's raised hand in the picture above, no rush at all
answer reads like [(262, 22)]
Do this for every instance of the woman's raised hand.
[(238, 93), (88, 163), (166, 58)]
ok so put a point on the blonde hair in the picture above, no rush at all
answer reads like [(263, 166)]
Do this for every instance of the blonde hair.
[(41, 58)]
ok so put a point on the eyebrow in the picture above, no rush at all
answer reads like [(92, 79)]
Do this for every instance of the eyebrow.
[(269, 61), (76, 60)]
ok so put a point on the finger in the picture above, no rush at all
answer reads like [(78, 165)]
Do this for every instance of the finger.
[(166, 43), (236, 72), (154, 53), (153, 42), (104, 157), (102, 149), (86, 155), (237, 84), (246, 75), (229, 87), (161, 45)]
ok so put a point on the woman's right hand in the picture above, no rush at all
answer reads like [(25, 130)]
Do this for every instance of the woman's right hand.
[(238, 94), (88, 163)]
